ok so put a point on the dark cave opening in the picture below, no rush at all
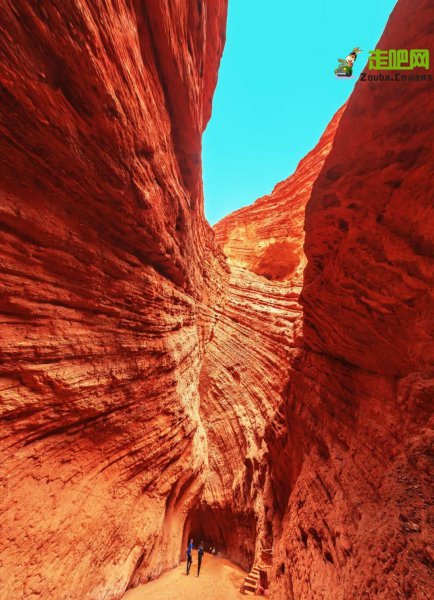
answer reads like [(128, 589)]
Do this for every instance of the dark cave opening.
[(233, 535), (202, 525)]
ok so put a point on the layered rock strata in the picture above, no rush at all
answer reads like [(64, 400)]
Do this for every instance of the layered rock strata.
[(150, 389), (245, 373), (109, 277), (357, 423), (267, 237)]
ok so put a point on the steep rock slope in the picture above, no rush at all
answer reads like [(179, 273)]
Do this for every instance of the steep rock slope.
[(357, 423), (109, 275), (245, 373), (267, 237), (147, 392), (241, 383)]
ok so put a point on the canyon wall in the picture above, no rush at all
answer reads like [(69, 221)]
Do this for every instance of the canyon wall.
[(246, 369), (348, 452), (267, 237), (358, 414), (151, 388), (109, 276)]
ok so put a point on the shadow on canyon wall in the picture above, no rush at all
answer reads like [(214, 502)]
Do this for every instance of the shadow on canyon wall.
[(268, 383)]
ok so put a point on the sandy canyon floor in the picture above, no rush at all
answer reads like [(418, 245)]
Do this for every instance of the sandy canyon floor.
[(219, 578)]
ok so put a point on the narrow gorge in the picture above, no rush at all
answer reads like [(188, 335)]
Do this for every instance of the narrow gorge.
[(264, 385)]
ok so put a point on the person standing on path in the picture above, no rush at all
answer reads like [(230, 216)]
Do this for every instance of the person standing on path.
[(189, 556), (199, 557)]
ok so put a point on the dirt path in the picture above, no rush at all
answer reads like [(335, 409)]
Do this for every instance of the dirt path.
[(219, 580)]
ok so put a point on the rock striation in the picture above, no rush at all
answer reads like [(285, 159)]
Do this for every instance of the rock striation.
[(357, 422), (267, 237), (246, 368), (109, 275), (278, 399), (347, 455)]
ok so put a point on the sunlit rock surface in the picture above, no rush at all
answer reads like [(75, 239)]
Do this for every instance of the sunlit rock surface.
[(150, 389), (356, 428), (267, 237), (245, 374), (108, 280)]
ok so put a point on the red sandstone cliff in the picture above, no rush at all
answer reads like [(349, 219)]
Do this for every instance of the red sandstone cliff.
[(357, 423), (267, 237), (246, 368), (349, 447), (108, 278), (147, 392)]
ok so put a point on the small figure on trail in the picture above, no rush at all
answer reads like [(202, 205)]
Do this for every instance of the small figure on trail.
[(189, 556), (199, 557), (213, 551)]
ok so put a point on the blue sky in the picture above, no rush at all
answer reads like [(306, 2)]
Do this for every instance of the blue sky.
[(277, 91)]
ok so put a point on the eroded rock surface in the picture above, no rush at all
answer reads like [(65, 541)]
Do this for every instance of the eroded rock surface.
[(109, 275), (150, 389), (266, 238), (359, 407), (245, 373)]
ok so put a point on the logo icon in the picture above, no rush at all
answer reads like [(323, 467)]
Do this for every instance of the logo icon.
[(345, 67)]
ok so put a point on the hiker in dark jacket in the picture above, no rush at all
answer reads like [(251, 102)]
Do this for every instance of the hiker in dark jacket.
[(189, 556), (199, 557)]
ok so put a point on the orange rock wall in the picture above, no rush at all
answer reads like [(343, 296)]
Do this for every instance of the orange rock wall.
[(245, 373), (347, 454), (109, 275), (266, 237), (150, 389), (357, 424)]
